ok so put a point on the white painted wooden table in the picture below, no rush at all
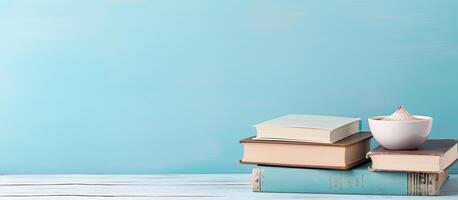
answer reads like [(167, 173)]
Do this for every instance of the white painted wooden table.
[(139, 187)]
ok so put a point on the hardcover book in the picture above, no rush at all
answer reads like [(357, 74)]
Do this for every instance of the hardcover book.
[(356, 181), (308, 128), (341, 155), (431, 156)]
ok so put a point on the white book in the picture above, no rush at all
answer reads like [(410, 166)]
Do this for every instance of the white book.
[(307, 128)]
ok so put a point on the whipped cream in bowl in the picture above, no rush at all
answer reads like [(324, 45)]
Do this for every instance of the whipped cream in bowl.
[(401, 114), (400, 130)]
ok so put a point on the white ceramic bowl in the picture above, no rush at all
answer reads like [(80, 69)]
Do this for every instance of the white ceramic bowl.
[(400, 135)]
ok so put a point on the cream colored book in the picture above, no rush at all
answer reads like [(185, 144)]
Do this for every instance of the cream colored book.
[(307, 128), (341, 155)]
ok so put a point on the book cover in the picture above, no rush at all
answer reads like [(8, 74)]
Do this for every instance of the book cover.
[(309, 121), (348, 141), (356, 181), (434, 155), (433, 147), (341, 155), (308, 128)]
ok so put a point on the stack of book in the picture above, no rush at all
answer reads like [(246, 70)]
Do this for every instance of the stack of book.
[(327, 154)]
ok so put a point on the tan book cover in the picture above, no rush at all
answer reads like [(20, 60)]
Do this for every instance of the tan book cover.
[(344, 154), (435, 155), (343, 143)]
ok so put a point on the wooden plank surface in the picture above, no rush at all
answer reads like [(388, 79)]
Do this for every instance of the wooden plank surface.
[(139, 187)]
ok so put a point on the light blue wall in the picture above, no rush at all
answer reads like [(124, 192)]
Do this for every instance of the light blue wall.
[(133, 86)]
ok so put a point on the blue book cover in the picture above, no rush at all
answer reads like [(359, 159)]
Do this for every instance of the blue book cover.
[(356, 181)]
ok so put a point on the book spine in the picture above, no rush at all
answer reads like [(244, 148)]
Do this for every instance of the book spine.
[(256, 180), (358, 181), (422, 184)]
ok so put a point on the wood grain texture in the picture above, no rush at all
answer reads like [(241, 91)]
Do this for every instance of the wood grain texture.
[(139, 187)]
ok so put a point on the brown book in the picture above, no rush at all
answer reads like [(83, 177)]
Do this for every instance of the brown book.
[(431, 156), (343, 154)]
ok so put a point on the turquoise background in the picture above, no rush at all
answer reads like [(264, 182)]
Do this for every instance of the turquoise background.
[(133, 86)]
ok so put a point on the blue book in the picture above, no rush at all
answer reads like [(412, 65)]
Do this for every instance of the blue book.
[(356, 181)]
